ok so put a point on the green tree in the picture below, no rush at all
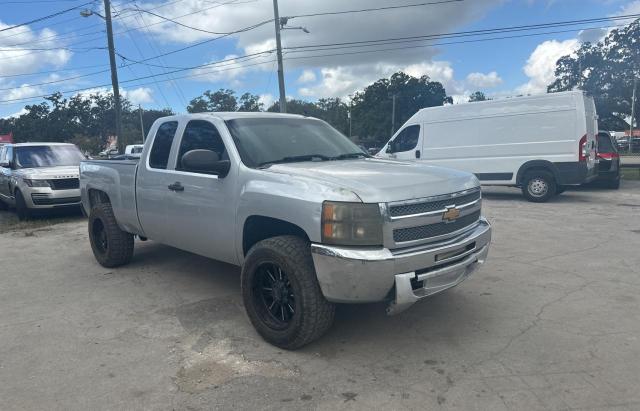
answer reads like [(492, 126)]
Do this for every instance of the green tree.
[(477, 96), (250, 102), (221, 100), (372, 107), (605, 70)]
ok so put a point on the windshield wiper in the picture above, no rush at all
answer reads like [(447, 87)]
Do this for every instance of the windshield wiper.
[(350, 155), (296, 159)]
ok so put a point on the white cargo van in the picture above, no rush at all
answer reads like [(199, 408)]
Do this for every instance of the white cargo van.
[(539, 143)]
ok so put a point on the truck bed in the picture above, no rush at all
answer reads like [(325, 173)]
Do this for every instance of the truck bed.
[(117, 179)]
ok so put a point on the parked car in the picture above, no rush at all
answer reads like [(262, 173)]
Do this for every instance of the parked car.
[(537, 143), (35, 176), (608, 161), (133, 149), (109, 152), (622, 143), (311, 219), (626, 144)]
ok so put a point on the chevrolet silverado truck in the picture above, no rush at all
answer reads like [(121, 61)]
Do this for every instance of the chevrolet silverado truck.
[(310, 218)]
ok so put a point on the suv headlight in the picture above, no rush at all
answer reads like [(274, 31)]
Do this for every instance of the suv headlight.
[(351, 224), (36, 183)]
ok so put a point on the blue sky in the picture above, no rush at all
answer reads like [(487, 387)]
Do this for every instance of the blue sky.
[(70, 47)]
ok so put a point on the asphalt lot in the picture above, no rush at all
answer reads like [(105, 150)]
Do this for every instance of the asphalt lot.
[(552, 321)]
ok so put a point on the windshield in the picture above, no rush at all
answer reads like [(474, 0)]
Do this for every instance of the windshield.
[(47, 156), (263, 141)]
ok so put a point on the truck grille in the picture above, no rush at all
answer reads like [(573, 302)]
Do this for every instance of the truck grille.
[(428, 206), (64, 183), (422, 232)]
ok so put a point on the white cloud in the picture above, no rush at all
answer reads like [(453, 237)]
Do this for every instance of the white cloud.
[(140, 95), (14, 59), (307, 76), (482, 80), (267, 100), (23, 91), (541, 64)]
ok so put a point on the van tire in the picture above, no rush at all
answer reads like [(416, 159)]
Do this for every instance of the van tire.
[(111, 246), (539, 186), (311, 316), (22, 210)]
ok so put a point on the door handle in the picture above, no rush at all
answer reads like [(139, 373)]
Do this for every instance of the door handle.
[(417, 153), (176, 186)]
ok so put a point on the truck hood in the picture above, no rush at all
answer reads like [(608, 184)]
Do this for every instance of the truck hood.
[(49, 172), (379, 180)]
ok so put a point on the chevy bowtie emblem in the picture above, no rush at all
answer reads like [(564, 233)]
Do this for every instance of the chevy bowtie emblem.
[(451, 214)]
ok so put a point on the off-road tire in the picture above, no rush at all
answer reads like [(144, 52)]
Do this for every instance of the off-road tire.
[(117, 248), (22, 210), (313, 314), (532, 183)]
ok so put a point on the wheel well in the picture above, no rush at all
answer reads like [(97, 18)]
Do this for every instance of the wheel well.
[(536, 165), (258, 228), (98, 197)]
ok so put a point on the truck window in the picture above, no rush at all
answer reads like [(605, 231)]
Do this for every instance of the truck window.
[(407, 139), (200, 135), (159, 155)]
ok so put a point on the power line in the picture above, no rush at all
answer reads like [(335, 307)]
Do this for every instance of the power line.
[(26, 23), (330, 13)]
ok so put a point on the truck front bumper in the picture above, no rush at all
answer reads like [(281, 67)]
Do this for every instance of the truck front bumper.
[(361, 275)]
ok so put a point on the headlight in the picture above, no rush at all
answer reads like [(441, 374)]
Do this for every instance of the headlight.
[(36, 183), (351, 224)]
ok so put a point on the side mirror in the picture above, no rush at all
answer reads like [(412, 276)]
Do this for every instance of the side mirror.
[(390, 147), (206, 162)]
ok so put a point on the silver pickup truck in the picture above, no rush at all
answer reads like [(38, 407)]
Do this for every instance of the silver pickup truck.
[(311, 219)]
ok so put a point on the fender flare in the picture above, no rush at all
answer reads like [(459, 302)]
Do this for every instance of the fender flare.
[(536, 164)]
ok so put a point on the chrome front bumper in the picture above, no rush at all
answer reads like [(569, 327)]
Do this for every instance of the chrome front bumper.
[(360, 275)]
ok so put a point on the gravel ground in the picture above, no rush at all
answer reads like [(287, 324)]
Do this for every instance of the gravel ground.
[(552, 321)]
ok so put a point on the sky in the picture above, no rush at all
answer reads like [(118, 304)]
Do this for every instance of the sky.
[(213, 44)]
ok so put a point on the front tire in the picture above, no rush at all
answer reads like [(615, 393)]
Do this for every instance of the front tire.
[(22, 210), (111, 246), (281, 293), (539, 186)]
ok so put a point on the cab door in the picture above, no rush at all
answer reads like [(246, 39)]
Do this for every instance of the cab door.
[(5, 172), (200, 207), (406, 144)]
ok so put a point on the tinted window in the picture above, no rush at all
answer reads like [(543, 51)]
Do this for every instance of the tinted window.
[(264, 140), (605, 145), (407, 139), (47, 156), (201, 135), (161, 149)]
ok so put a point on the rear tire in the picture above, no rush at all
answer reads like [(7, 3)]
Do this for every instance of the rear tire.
[(281, 293), (539, 186), (111, 246), (22, 210)]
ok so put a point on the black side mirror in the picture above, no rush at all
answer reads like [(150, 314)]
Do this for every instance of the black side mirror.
[(390, 147), (206, 162)]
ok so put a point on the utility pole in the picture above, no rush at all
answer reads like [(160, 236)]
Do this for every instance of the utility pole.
[(283, 97), (114, 70), (393, 115), (633, 111), (141, 123)]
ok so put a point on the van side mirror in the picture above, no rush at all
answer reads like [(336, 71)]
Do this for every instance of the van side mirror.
[(206, 162), (390, 147)]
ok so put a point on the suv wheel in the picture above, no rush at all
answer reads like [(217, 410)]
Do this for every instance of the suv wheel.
[(539, 186), (111, 246), (281, 293), (21, 207)]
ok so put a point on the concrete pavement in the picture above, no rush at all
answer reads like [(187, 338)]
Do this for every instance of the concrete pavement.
[(551, 322)]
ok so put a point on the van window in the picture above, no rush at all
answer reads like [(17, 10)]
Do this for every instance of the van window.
[(605, 145), (200, 135), (161, 149), (407, 139)]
